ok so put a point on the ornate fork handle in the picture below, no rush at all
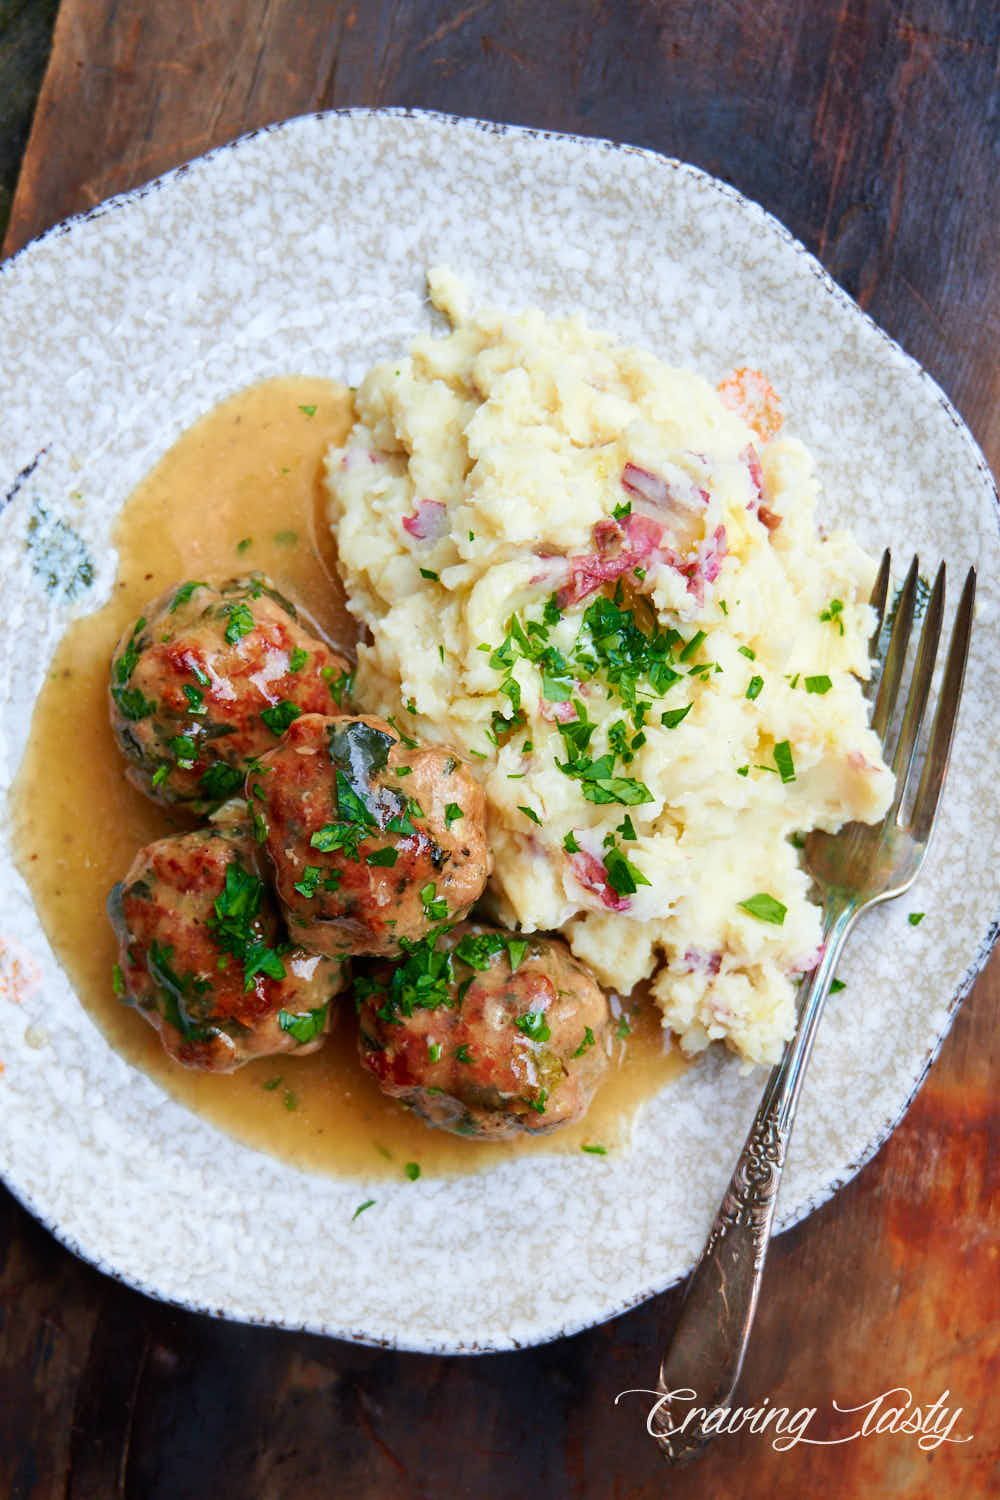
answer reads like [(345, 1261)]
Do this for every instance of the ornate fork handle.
[(703, 1363)]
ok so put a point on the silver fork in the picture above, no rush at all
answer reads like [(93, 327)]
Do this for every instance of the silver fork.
[(853, 870)]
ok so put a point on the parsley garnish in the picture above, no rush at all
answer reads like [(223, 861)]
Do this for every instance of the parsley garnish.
[(745, 651), (386, 857), (463, 1054), (309, 411), (237, 908), (297, 659), (280, 715), (241, 622), (246, 542), (754, 686), (595, 1150), (452, 813), (836, 985), (412, 1170), (529, 812), (765, 908), (435, 907), (570, 844), (833, 613), (534, 1026), (674, 716), (183, 594), (117, 980), (429, 573), (306, 1026), (915, 918), (369, 1202), (219, 781), (821, 684), (623, 876), (184, 750), (195, 698), (588, 1041), (783, 760), (133, 703)]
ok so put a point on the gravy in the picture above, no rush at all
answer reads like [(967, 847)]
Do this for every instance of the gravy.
[(240, 491)]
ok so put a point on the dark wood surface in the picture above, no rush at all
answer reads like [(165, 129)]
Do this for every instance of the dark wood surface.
[(871, 129)]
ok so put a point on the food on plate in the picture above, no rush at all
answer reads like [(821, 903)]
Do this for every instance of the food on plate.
[(602, 580), (486, 1033), (202, 953), (374, 839), (209, 677)]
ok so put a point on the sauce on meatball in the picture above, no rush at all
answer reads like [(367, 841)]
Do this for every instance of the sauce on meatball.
[(373, 841), (208, 678), (486, 1033)]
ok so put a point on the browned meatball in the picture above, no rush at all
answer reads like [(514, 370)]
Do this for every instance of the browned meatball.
[(486, 1033), (202, 954), (211, 676), (373, 843)]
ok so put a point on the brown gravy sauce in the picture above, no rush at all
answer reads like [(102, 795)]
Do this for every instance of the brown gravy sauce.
[(251, 468)]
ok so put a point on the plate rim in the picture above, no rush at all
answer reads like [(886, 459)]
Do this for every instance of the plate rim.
[(987, 942)]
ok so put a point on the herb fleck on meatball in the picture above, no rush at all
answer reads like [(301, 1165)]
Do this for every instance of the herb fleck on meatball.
[(374, 841), (203, 954), (486, 1033), (208, 678)]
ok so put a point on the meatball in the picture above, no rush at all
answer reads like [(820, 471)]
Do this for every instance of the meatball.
[(202, 954), (374, 841), (211, 676), (486, 1033)]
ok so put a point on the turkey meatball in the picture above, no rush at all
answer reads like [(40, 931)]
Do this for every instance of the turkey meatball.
[(203, 956), (485, 1033), (373, 842), (210, 677)]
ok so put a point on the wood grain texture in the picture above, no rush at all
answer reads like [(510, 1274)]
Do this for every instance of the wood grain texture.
[(870, 129)]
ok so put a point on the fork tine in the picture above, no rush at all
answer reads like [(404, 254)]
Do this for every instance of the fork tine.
[(895, 657), (943, 731), (880, 594), (920, 687)]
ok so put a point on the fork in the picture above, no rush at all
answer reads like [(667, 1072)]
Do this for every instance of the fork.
[(853, 871)]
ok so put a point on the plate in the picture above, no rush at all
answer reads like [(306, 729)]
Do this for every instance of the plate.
[(303, 249)]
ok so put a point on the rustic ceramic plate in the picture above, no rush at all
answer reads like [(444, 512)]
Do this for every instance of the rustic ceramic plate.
[(303, 248)]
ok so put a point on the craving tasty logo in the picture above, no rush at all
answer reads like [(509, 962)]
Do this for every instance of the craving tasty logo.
[(894, 1411)]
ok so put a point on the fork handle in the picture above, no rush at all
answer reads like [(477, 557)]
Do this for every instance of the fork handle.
[(703, 1363)]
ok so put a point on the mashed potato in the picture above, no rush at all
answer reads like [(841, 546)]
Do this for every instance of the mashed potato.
[(589, 574)]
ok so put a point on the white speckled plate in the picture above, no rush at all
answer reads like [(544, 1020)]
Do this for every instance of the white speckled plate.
[(303, 249)]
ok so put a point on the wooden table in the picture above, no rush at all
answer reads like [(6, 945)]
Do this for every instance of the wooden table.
[(869, 128)]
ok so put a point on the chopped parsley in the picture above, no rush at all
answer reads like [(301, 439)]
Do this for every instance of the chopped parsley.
[(429, 573), (624, 1028), (836, 985), (463, 1054), (160, 774), (306, 1026), (746, 651), (833, 613), (754, 687), (623, 876), (241, 622), (118, 980), (674, 716), (246, 542), (133, 703), (820, 684), (219, 781), (184, 750), (529, 812), (308, 411), (183, 594), (595, 1150), (534, 1026), (412, 1170), (435, 907), (237, 908), (588, 1041), (570, 844), (765, 908), (452, 813), (915, 918), (783, 760), (297, 659), (385, 857), (280, 715), (434, 1051), (195, 698), (340, 685), (369, 1202)]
